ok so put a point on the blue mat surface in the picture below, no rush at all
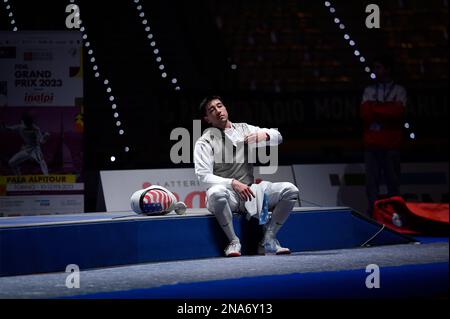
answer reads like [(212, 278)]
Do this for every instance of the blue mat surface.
[(408, 281), (430, 240), (323, 274), (31, 248)]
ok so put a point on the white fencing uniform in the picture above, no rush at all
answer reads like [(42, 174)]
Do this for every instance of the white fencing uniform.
[(222, 200)]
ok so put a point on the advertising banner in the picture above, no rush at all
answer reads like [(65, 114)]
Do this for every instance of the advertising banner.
[(41, 122), (40, 68)]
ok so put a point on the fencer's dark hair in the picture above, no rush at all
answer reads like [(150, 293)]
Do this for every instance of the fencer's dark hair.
[(385, 60), (27, 119), (204, 103)]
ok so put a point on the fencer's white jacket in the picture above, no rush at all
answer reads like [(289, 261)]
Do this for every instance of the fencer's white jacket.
[(213, 168), (32, 138)]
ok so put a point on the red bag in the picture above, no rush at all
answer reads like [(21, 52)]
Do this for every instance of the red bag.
[(412, 218)]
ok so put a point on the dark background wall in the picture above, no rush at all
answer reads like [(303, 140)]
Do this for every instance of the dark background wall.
[(282, 64)]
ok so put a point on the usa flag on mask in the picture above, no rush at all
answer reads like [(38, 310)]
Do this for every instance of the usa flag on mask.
[(155, 201)]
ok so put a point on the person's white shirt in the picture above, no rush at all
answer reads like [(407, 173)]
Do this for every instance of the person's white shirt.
[(385, 92), (204, 158)]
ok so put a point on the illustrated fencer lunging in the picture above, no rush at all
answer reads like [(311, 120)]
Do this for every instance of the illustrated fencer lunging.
[(230, 185), (31, 148)]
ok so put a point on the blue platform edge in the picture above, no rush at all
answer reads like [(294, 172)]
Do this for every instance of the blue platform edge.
[(50, 248)]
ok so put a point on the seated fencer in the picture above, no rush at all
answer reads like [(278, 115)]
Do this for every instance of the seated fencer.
[(228, 176)]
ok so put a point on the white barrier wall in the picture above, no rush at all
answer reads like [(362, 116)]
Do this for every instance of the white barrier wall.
[(119, 185), (320, 185), (344, 184)]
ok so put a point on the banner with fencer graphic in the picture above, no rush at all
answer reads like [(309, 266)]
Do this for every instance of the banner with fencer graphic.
[(41, 122), (119, 185)]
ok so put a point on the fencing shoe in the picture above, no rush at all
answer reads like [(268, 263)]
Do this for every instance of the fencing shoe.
[(270, 245), (233, 249)]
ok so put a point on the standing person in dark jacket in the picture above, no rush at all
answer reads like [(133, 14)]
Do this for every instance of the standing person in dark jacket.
[(382, 111)]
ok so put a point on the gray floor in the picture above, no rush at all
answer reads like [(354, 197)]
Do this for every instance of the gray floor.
[(169, 273)]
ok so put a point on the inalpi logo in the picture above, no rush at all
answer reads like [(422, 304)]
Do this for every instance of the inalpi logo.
[(39, 98)]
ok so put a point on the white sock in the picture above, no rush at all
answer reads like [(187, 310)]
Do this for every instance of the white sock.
[(279, 215), (224, 216)]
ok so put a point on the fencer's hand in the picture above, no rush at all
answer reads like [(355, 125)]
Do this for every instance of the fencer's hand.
[(244, 191), (256, 137)]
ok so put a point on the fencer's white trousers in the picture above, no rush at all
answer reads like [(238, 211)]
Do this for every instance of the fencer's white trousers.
[(274, 191), (222, 202), (23, 155)]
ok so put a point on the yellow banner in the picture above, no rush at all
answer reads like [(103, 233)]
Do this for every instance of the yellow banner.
[(49, 179)]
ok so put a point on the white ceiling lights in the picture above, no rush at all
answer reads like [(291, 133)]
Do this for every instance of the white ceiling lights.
[(347, 37), (153, 44), (10, 13), (105, 82)]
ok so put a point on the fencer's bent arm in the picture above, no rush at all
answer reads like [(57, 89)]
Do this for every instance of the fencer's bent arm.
[(275, 137), (204, 161)]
